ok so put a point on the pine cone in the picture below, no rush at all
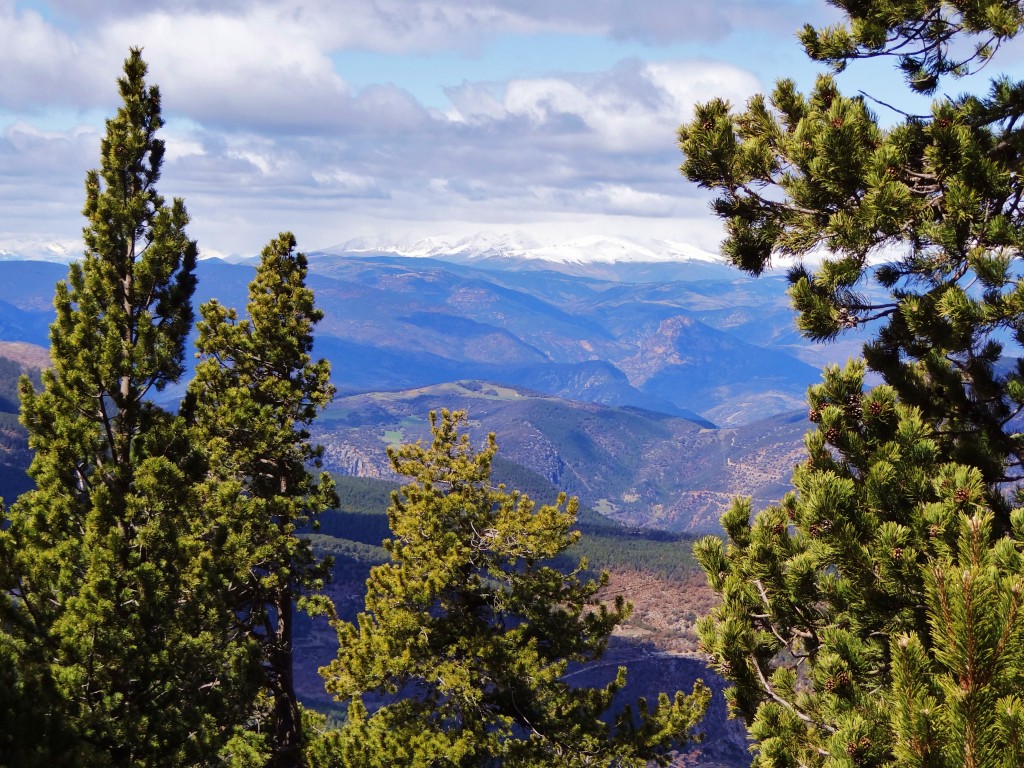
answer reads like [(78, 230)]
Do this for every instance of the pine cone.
[(859, 747)]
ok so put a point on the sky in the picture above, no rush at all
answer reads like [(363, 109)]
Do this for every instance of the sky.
[(388, 119)]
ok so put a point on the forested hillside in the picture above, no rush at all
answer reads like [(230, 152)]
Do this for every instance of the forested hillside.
[(630, 464), (721, 349)]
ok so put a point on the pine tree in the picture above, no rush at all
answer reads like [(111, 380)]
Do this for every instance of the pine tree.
[(105, 563), (255, 392), (874, 617), (936, 197), (469, 634)]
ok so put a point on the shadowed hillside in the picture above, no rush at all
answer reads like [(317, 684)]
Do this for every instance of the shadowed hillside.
[(16, 359)]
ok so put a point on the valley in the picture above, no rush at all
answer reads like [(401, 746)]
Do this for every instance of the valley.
[(654, 392), (635, 466)]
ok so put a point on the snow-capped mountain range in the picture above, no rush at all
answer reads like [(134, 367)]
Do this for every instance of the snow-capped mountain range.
[(592, 249), (60, 251), (488, 245)]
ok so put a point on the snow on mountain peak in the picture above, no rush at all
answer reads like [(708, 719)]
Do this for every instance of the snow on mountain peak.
[(590, 249), (60, 251), (581, 250)]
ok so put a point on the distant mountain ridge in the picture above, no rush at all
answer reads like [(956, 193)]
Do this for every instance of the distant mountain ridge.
[(17, 358), (695, 344), (666, 345), (60, 251), (719, 348), (519, 245)]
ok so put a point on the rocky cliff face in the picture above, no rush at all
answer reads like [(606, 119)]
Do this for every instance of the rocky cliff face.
[(636, 466)]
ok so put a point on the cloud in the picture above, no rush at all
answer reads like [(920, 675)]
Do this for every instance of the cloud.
[(41, 179), (398, 25), (264, 133), (28, 150), (339, 182), (260, 67), (266, 67), (40, 63), (619, 199), (573, 149), (635, 107), (423, 26)]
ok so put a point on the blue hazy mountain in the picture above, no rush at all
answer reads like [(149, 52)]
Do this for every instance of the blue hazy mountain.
[(719, 348)]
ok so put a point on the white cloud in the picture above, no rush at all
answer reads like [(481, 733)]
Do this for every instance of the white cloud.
[(181, 144), (573, 150), (391, 26), (40, 63), (635, 107), (37, 160), (621, 199), (268, 65), (544, 99), (259, 67), (342, 182), (264, 134)]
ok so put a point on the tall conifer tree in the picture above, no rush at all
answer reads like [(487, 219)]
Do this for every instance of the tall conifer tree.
[(937, 198), (255, 393), (874, 617), (475, 633), (106, 561)]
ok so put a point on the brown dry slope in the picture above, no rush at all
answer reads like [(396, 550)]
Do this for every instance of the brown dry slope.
[(665, 609), (25, 354)]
